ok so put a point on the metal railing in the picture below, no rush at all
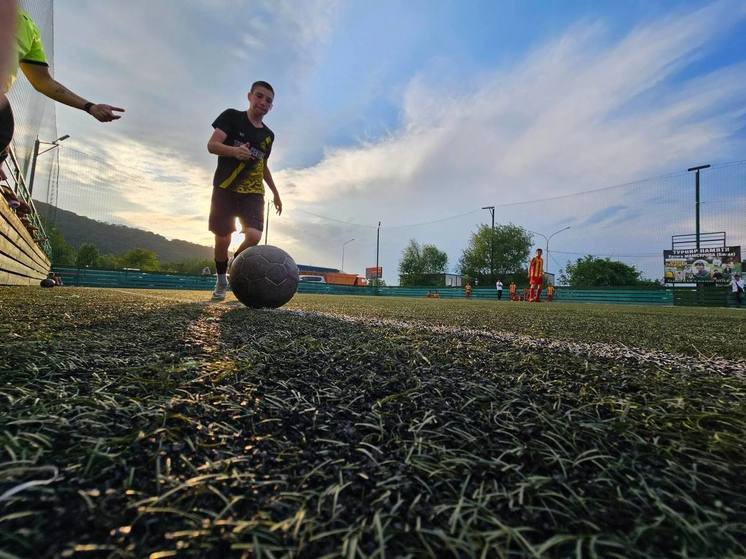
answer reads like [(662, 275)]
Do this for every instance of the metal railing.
[(17, 183)]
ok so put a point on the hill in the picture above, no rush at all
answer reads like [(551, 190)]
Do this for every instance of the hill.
[(118, 239)]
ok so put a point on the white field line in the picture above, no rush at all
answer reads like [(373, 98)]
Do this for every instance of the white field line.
[(591, 350), (617, 351), (206, 301)]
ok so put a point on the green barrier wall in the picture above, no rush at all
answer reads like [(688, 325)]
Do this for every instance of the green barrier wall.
[(85, 277), (628, 296), (704, 297), (712, 297)]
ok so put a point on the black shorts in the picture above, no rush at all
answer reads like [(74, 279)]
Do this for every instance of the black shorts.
[(227, 205), (6, 124)]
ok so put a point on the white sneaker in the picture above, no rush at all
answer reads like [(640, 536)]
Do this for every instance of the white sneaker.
[(219, 293)]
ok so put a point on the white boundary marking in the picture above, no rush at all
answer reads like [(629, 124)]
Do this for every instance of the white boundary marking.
[(594, 350)]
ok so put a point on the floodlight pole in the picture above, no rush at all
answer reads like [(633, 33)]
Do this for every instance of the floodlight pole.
[(492, 241), (378, 239), (266, 228), (550, 236), (36, 154), (696, 203), (546, 268), (342, 268)]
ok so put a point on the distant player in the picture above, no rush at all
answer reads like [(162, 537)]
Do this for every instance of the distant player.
[(550, 292), (535, 277), (513, 291), (499, 288), (737, 288), (243, 144)]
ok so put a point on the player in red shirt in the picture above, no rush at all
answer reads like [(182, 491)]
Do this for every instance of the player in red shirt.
[(535, 276)]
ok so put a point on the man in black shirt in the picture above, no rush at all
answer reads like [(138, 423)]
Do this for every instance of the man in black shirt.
[(243, 144)]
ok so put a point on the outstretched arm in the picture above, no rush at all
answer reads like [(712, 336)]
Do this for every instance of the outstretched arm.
[(45, 84)]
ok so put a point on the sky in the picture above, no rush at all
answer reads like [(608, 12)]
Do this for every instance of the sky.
[(417, 114)]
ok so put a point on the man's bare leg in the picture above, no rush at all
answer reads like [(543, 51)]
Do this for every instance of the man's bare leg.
[(251, 238), (222, 242)]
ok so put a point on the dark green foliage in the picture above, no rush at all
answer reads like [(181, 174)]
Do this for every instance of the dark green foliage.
[(591, 271), (419, 264), (511, 245), (88, 256), (62, 253), (118, 239), (110, 262), (192, 266), (142, 259)]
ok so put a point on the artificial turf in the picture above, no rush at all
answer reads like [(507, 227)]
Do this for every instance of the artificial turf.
[(139, 423)]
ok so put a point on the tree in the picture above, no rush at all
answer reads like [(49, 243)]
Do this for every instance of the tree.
[(62, 253), (141, 259), (511, 245), (87, 256), (600, 272), (417, 262), (434, 261), (110, 262), (191, 266)]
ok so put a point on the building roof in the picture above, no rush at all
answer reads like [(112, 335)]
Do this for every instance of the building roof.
[(303, 268)]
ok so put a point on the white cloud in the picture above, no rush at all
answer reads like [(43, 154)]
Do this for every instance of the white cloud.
[(175, 65), (163, 192), (285, 35), (561, 115), (577, 113)]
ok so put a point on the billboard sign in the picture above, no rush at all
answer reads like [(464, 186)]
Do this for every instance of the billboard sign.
[(374, 273), (706, 265)]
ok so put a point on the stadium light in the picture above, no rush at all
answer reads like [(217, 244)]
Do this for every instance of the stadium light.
[(342, 268), (492, 241), (266, 224), (36, 155), (546, 269), (378, 238), (696, 197)]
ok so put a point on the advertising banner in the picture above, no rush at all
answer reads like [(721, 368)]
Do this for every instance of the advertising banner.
[(710, 265), (374, 273)]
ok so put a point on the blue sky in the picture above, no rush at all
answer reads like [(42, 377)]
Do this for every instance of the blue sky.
[(410, 112)]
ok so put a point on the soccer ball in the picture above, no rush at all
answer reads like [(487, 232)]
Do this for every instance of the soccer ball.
[(264, 276)]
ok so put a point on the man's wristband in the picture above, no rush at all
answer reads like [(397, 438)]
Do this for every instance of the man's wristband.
[(87, 107)]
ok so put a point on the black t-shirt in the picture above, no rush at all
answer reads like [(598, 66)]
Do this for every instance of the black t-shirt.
[(245, 177)]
